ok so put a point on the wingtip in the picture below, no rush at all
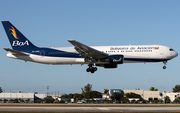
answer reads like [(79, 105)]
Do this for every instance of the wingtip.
[(71, 40), (5, 48)]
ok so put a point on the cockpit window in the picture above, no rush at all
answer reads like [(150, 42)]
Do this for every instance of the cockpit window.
[(171, 49)]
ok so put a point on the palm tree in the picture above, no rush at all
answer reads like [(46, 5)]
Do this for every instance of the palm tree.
[(106, 91), (153, 89)]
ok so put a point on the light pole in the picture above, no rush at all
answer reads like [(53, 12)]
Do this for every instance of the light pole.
[(47, 89), (55, 94)]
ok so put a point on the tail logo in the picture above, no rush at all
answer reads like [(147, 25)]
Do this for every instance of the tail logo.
[(13, 32)]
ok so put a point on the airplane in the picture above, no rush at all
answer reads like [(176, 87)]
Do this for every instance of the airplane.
[(102, 56)]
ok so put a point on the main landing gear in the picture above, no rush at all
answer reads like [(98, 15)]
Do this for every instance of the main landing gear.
[(164, 67), (91, 68)]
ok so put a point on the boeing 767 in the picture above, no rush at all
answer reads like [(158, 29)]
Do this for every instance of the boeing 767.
[(103, 56)]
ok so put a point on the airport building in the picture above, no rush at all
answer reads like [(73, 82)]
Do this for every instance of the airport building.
[(146, 95), (30, 97), (111, 91), (106, 96), (171, 95)]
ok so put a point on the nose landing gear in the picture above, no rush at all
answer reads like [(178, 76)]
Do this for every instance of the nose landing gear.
[(91, 68), (164, 67)]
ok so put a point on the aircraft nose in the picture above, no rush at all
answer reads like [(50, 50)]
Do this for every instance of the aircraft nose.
[(175, 54)]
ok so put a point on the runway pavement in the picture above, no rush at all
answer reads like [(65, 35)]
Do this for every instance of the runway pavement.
[(91, 109)]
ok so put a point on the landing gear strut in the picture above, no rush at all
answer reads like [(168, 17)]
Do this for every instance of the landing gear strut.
[(91, 68), (164, 67)]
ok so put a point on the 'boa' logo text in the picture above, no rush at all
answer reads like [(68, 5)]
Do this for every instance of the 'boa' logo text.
[(17, 43)]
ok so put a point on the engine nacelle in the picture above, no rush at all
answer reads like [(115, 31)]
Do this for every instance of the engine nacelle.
[(116, 59), (107, 65), (110, 66), (111, 62)]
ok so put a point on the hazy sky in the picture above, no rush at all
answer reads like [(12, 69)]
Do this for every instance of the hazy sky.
[(50, 23)]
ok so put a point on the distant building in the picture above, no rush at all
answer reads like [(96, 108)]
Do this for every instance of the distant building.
[(171, 95), (146, 95), (111, 91), (105, 96), (39, 96), (23, 96)]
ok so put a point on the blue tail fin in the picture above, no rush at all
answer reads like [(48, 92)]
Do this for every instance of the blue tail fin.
[(18, 41)]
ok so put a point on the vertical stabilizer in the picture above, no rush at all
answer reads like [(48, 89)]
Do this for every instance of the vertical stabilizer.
[(17, 40)]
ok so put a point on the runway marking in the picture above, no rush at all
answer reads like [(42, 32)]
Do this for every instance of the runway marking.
[(102, 108)]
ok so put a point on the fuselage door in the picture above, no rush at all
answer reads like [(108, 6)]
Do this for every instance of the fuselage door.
[(161, 51), (42, 53)]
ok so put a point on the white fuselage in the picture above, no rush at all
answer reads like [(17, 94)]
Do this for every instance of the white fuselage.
[(132, 54)]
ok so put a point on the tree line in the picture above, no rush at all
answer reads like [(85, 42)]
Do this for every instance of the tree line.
[(88, 93)]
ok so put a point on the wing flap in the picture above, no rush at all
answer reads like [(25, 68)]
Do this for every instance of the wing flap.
[(14, 52)]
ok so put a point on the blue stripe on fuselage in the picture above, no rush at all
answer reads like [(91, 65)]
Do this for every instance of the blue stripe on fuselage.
[(53, 53)]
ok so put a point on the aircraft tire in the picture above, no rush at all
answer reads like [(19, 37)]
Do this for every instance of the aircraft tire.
[(95, 68), (87, 69), (164, 67), (92, 71)]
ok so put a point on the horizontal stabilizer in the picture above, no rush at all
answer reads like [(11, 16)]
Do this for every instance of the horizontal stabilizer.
[(14, 52)]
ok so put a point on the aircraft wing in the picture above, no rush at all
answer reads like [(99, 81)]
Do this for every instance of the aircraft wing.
[(87, 51), (14, 52)]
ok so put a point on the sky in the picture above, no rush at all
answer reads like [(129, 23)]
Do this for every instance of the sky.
[(49, 23)]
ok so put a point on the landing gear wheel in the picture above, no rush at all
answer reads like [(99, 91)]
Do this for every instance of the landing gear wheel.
[(91, 69), (164, 67), (164, 62), (87, 69), (95, 68)]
